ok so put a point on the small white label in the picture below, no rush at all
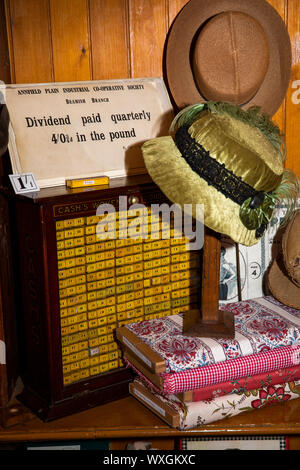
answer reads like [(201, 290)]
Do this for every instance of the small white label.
[(89, 182), (136, 351), (94, 351), (160, 410), (2, 352), (24, 183)]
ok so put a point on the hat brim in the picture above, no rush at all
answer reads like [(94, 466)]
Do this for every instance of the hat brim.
[(282, 287), (179, 74), (183, 186), (291, 248), (280, 278)]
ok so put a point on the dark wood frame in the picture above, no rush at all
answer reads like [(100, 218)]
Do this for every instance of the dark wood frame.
[(44, 391)]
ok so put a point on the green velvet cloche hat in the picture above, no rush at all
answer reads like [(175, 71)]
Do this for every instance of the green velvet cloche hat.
[(228, 159)]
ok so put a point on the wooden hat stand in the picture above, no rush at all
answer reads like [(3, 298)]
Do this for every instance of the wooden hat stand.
[(210, 321)]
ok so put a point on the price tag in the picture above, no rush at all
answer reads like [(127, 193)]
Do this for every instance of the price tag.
[(24, 183)]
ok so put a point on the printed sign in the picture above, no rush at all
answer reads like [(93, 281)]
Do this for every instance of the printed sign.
[(64, 131)]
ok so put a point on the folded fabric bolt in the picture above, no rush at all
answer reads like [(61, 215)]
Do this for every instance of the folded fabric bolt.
[(230, 370), (198, 413), (178, 382), (261, 325), (242, 384), (267, 339)]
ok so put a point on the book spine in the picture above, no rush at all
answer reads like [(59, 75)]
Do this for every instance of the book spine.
[(152, 361), (155, 404)]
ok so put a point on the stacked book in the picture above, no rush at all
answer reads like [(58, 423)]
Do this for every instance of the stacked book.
[(190, 381)]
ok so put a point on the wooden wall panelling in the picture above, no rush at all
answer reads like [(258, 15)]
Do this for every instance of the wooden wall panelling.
[(30, 41), (4, 55), (62, 40), (4, 76), (279, 117), (70, 40), (293, 95), (148, 29), (109, 39), (174, 6)]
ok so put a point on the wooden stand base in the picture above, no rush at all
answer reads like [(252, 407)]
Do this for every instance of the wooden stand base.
[(194, 326), (210, 321)]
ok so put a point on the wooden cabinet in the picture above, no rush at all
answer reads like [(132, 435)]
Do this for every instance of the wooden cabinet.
[(75, 289)]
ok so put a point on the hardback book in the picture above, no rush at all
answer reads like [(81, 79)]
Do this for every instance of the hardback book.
[(193, 414), (267, 338)]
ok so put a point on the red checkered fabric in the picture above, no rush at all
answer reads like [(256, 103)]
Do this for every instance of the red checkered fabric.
[(192, 379)]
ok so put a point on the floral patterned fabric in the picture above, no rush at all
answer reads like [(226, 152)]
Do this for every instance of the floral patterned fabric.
[(203, 412), (246, 384), (261, 325)]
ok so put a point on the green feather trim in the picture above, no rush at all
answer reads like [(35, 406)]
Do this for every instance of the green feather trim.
[(252, 116), (253, 218), (187, 116), (284, 196), (287, 194)]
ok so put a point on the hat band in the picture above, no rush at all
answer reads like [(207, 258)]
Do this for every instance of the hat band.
[(256, 207), (213, 172)]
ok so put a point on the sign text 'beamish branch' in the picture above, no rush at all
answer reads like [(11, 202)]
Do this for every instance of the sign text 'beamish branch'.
[(34, 121), (67, 130)]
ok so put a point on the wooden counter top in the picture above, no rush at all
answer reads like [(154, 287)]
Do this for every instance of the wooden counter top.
[(127, 418)]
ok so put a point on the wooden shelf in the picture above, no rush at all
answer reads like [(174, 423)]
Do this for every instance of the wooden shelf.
[(127, 418)]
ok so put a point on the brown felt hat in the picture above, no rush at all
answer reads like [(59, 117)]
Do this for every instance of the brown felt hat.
[(228, 50), (284, 274)]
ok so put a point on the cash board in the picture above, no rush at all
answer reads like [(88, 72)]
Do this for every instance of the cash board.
[(78, 287)]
